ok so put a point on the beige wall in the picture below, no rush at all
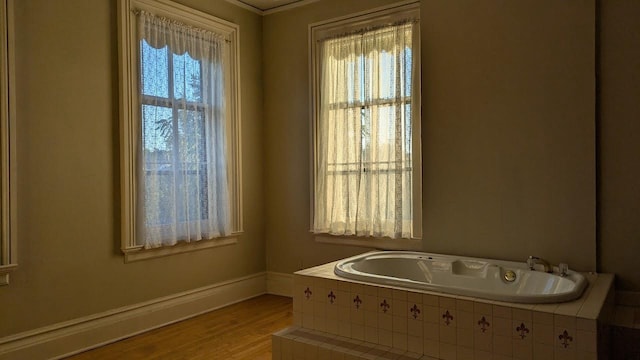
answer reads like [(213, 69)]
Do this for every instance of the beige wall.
[(508, 130), (68, 180), (619, 141)]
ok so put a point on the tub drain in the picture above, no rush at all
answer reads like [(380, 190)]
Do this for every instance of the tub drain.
[(509, 276)]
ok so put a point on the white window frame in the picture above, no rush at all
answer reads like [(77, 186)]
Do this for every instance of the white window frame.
[(130, 128), (8, 238), (344, 24)]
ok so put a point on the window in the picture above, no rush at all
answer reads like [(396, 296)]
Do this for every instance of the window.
[(180, 129), (366, 96), (8, 243)]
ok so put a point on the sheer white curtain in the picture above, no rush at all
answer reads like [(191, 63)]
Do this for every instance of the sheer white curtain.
[(364, 155), (183, 187)]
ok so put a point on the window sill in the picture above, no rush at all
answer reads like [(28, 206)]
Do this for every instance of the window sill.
[(140, 253), (377, 243)]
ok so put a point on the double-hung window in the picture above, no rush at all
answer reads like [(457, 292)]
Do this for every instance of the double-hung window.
[(182, 157), (366, 96)]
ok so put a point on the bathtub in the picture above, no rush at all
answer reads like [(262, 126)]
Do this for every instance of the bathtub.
[(480, 278)]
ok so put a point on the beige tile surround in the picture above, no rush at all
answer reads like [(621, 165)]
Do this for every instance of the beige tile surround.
[(388, 321)]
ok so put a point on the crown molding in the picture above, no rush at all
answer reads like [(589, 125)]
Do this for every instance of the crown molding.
[(273, 10), (246, 6)]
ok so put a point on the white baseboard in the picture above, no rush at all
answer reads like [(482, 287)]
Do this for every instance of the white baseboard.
[(280, 284), (74, 336)]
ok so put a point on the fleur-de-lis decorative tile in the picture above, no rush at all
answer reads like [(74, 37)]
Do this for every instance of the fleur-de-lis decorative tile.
[(384, 305), (447, 317), (565, 339), (522, 331), (415, 311), (484, 324), (332, 297), (357, 301)]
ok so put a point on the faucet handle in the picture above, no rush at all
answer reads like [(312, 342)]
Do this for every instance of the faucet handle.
[(531, 261), (563, 269)]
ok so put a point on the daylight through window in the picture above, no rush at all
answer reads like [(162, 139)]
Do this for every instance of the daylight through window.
[(367, 106), (184, 183)]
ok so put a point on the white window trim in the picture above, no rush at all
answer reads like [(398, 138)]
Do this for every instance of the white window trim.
[(8, 238), (130, 130), (340, 25), (374, 243)]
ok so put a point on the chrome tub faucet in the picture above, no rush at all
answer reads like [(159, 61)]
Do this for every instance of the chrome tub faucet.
[(532, 261)]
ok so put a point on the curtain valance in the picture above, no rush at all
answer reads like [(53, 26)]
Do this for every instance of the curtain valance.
[(160, 31)]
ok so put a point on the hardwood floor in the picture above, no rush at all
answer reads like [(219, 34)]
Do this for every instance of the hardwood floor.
[(239, 331)]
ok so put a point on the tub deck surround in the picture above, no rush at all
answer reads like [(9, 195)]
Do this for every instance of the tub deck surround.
[(626, 326), (427, 324), (490, 279), (300, 343), (627, 312)]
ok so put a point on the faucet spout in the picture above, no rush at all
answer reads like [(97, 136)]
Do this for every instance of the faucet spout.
[(532, 261)]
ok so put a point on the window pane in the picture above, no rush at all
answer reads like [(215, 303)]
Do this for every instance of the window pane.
[(154, 70), (186, 78), (170, 171), (355, 80), (408, 75), (192, 138), (387, 75), (159, 196), (157, 128), (408, 148), (193, 164)]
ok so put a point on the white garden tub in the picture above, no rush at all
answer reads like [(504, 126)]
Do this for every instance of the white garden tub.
[(480, 278)]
